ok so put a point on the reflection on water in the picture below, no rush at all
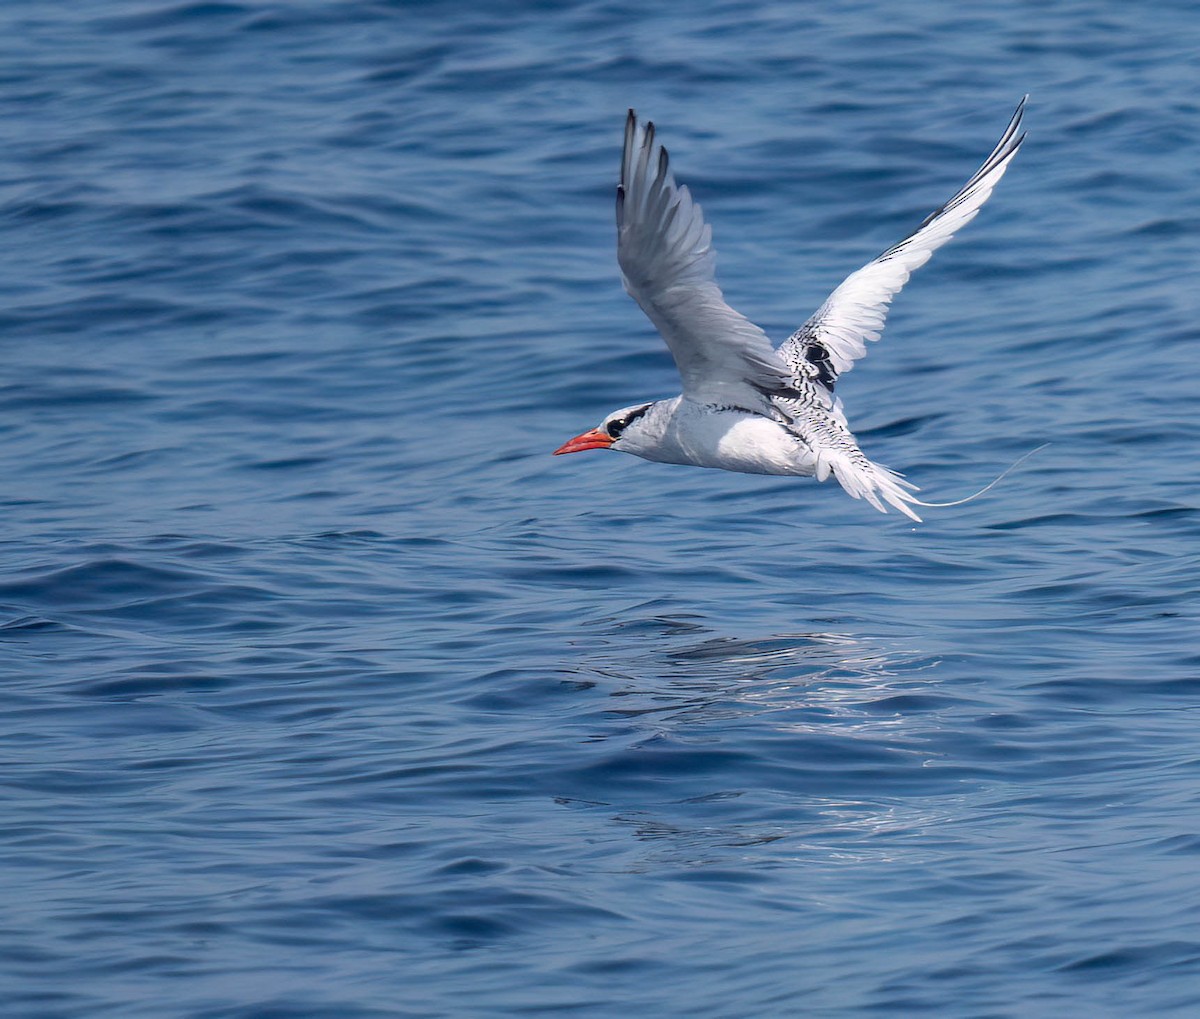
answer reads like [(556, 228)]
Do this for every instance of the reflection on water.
[(714, 744), (840, 676)]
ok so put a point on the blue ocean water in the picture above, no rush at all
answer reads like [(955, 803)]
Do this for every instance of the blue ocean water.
[(328, 692)]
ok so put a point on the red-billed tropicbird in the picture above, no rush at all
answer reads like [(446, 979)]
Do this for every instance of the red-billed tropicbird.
[(746, 406)]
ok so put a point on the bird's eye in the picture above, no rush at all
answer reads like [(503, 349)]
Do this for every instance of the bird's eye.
[(618, 425)]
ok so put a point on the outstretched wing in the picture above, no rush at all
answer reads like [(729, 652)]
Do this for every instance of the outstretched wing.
[(830, 342), (664, 248)]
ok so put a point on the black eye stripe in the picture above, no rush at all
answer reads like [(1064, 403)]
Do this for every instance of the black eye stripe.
[(615, 428)]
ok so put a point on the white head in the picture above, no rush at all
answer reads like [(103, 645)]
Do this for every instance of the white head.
[(628, 430)]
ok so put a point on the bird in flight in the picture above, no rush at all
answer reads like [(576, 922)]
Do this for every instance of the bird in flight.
[(745, 405)]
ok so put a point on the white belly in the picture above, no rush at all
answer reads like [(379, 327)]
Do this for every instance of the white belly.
[(732, 441)]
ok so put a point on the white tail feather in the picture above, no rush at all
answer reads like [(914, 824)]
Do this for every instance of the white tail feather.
[(863, 479), (878, 482), (990, 485)]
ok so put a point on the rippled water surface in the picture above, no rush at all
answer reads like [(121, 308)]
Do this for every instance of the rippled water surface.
[(328, 692)]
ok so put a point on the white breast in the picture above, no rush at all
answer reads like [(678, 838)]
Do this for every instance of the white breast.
[(730, 440)]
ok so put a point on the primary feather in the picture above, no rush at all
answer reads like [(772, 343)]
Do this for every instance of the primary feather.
[(664, 248)]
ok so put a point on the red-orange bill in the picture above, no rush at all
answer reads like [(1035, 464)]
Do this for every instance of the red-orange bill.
[(595, 439)]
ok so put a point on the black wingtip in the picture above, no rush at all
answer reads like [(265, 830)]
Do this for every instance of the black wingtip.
[(627, 148), (1019, 112)]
